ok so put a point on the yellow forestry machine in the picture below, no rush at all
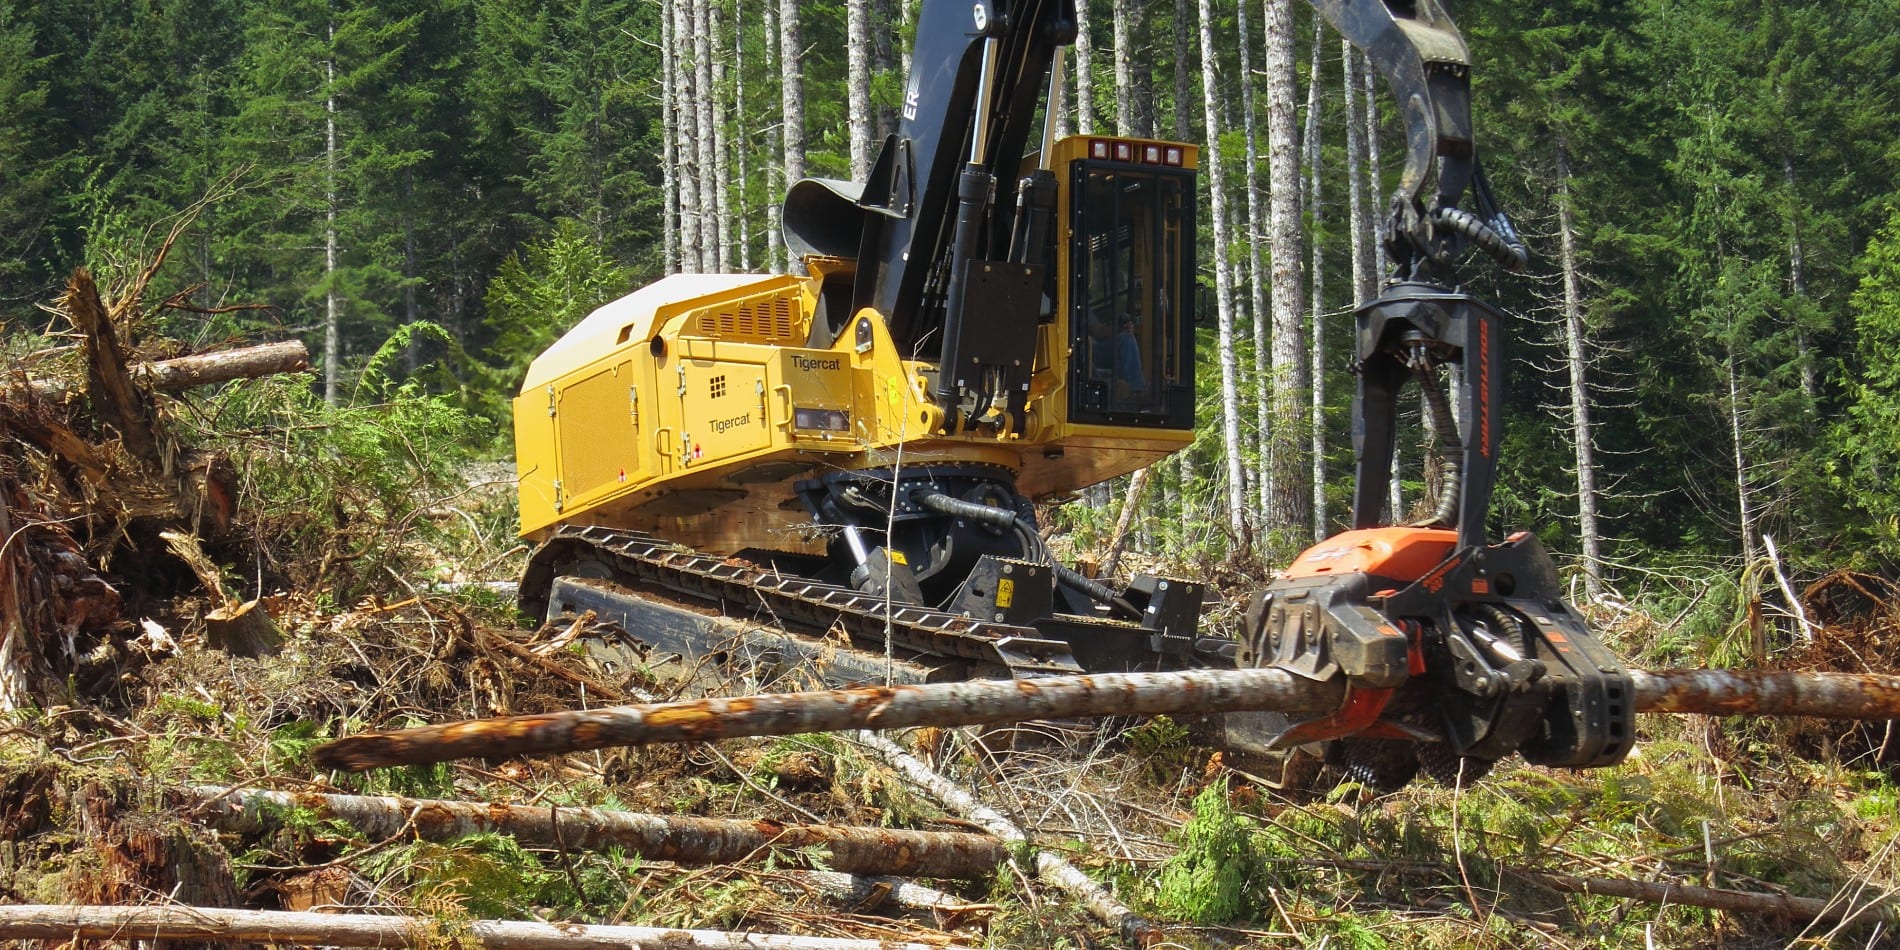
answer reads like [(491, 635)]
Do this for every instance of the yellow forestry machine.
[(844, 459)]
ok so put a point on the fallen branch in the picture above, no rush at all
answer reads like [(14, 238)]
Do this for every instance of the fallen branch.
[(70, 923), (982, 702), (1780, 906), (685, 839), (1051, 869), (870, 892), (1798, 909), (189, 372), (115, 400)]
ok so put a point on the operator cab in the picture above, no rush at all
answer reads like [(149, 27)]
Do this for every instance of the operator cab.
[(1131, 272)]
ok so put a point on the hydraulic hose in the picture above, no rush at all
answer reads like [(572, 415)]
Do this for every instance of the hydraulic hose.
[(1496, 237), (1033, 547), (1446, 515)]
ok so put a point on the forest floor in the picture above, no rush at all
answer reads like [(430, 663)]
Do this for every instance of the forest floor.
[(369, 556)]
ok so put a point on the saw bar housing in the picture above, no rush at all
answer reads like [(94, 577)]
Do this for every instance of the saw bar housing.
[(1476, 650)]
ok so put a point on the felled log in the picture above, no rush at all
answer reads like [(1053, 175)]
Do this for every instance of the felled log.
[(685, 839), (64, 922), (1768, 693), (984, 702), (190, 372)]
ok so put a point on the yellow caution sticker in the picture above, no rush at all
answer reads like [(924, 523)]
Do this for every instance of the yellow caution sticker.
[(897, 557), (1005, 592)]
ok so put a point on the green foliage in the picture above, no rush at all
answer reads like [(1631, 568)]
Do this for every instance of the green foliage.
[(1163, 747), (541, 293), (1208, 881), (339, 496), (1869, 436), (490, 876)]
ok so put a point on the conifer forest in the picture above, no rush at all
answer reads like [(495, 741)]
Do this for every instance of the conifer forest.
[(273, 271), (1701, 355)]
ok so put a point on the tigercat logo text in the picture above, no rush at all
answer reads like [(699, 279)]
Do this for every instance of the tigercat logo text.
[(725, 425), (808, 364)]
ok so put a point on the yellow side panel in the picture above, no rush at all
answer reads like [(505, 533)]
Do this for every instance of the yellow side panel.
[(597, 421), (536, 473), (815, 400), (722, 410)]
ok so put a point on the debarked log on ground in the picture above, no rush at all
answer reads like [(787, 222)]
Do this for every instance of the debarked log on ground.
[(685, 839), (984, 702), (65, 922)]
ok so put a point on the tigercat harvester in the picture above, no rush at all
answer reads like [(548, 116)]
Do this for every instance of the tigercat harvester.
[(843, 461)]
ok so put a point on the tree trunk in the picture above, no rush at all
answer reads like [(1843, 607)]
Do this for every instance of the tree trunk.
[(1183, 86), (1084, 71), (681, 838), (1582, 433), (985, 702), (685, 106), (67, 922), (1375, 195), (1125, 59), (1256, 255), (669, 145), (332, 317), (1130, 505), (1375, 179), (1359, 226), (722, 151), (706, 96), (791, 98), (1798, 283), (858, 85), (1223, 281), (741, 216), (1744, 493), (975, 702), (1315, 211), (775, 182), (1287, 441)]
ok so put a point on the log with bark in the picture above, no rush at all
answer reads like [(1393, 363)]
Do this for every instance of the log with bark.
[(985, 702), (185, 372), (684, 839), (65, 922)]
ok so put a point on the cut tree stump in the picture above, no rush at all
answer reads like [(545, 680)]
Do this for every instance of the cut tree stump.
[(240, 629)]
